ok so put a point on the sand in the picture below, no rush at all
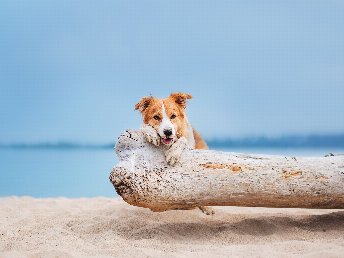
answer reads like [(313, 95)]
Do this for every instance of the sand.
[(105, 227)]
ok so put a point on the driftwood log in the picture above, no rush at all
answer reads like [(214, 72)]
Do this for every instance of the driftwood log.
[(213, 178)]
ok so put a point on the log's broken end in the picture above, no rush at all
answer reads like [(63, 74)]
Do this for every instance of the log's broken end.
[(117, 177), (125, 187)]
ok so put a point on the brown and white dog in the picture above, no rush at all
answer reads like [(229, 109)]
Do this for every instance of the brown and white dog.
[(165, 124)]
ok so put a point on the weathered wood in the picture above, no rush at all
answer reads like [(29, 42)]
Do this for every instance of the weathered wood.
[(213, 178)]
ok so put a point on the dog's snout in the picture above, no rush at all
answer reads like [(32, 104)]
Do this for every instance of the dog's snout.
[(168, 132)]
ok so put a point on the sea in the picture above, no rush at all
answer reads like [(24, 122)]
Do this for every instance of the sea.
[(84, 172)]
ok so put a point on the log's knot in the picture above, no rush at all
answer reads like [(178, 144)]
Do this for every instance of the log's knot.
[(235, 168), (292, 173)]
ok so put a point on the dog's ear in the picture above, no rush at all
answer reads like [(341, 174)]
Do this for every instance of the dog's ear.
[(143, 104), (180, 98)]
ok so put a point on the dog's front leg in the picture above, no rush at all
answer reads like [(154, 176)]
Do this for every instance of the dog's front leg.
[(174, 153), (150, 134)]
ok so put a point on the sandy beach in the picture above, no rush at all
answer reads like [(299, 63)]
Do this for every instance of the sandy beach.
[(105, 227)]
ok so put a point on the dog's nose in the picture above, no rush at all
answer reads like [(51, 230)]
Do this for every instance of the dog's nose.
[(168, 132)]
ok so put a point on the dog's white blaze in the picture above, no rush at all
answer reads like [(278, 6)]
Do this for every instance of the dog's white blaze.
[(166, 124)]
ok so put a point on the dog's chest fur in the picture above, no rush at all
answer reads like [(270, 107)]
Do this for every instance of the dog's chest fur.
[(190, 135)]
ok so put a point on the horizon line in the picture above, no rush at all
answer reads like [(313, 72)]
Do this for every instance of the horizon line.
[(287, 141)]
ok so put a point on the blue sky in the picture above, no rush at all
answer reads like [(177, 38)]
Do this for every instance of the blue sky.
[(73, 70)]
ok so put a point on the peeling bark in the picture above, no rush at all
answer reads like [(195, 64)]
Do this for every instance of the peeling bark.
[(213, 178)]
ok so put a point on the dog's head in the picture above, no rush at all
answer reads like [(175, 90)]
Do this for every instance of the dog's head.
[(167, 116)]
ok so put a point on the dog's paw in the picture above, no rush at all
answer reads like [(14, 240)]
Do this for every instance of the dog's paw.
[(173, 157), (150, 134), (174, 153), (207, 210)]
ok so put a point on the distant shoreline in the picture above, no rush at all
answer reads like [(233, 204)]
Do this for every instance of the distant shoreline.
[(310, 141)]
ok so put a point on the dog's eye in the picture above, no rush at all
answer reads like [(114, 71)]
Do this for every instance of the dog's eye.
[(156, 117), (173, 116)]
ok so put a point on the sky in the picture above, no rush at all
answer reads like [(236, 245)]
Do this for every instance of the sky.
[(73, 70)]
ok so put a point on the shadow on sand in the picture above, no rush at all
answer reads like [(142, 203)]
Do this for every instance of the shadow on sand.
[(156, 226)]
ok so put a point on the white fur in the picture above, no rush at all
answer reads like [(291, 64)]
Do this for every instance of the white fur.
[(166, 124), (190, 136)]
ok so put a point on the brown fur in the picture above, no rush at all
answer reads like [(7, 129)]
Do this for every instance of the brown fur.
[(175, 104), (199, 142)]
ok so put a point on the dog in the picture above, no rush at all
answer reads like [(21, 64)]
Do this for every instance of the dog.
[(165, 124)]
